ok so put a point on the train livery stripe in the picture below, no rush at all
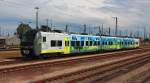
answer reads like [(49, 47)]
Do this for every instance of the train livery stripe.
[(51, 51)]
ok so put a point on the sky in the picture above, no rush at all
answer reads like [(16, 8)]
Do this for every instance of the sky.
[(133, 15)]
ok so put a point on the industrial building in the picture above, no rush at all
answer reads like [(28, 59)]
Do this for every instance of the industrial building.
[(9, 42)]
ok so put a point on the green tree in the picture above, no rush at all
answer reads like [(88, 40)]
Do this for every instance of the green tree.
[(45, 28), (22, 28)]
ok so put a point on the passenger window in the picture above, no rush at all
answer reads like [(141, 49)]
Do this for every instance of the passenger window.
[(82, 43), (77, 43), (111, 43), (59, 43), (53, 43), (87, 43), (103, 43), (44, 39), (90, 43), (72, 43), (95, 43), (98, 43)]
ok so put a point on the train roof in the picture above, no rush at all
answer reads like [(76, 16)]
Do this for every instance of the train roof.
[(66, 34)]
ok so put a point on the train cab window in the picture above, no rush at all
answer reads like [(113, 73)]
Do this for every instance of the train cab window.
[(44, 39), (72, 43), (82, 43), (59, 43), (53, 43)]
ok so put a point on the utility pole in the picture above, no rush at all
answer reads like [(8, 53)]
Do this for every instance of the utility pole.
[(131, 34), (149, 36), (120, 33), (102, 29), (144, 32), (138, 34), (109, 31), (66, 29), (89, 29), (0, 30), (116, 29), (47, 21), (84, 31), (51, 23), (37, 17), (99, 30)]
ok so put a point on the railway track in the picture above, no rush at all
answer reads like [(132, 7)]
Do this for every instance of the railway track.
[(21, 60), (71, 69), (99, 73)]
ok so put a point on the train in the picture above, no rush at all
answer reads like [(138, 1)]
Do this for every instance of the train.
[(39, 43)]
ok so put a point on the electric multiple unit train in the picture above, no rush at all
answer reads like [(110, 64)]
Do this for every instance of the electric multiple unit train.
[(38, 43)]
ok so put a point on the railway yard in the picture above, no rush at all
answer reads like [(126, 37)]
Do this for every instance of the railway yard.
[(74, 41), (126, 66)]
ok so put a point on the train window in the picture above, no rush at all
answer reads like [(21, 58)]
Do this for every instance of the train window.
[(72, 43), (125, 43), (59, 43), (128, 43), (95, 43), (53, 43), (82, 43), (77, 43), (110, 43), (98, 43), (44, 39), (103, 43), (91, 43), (122, 43), (87, 43)]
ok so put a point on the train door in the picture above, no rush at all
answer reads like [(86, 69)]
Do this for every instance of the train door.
[(67, 46)]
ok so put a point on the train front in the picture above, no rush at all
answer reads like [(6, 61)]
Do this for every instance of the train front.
[(27, 43)]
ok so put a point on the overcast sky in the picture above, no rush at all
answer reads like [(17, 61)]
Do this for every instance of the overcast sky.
[(132, 14)]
